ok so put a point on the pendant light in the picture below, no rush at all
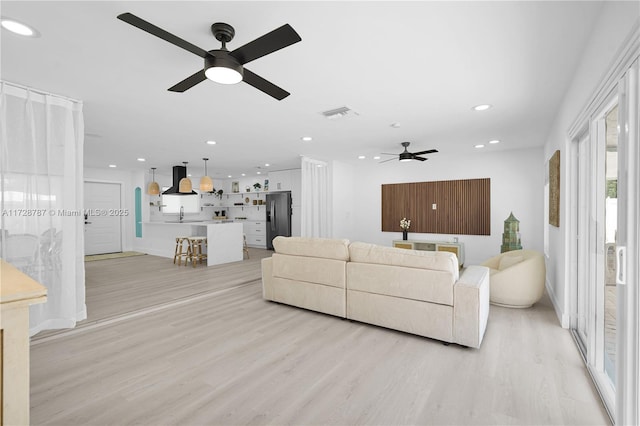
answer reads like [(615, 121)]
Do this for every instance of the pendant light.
[(154, 188), (206, 184), (185, 185)]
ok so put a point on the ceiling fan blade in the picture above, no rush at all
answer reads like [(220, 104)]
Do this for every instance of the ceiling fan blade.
[(159, 32), (261, 84), (420, 158), (189, 82), (268, 43), (390, 159), (431, 151)]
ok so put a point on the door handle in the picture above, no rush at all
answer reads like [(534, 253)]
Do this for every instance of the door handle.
[(273, 215), (621, 265), (87, 223)]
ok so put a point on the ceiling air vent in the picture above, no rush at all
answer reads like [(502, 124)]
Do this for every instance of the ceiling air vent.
[(341, 112)]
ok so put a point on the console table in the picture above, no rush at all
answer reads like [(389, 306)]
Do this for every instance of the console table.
[(17, 292), (455, 248)]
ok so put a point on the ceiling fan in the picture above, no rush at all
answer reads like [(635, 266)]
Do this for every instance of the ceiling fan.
[(221, 65), (408, 156)]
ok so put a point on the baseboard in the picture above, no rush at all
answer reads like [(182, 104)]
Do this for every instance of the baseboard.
[(153, 252), (563, 318)]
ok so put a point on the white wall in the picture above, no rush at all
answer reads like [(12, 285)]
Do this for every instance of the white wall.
[(614, 24), (517, 185)]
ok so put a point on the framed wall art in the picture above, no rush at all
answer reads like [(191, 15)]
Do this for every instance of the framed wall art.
[(554, 189)]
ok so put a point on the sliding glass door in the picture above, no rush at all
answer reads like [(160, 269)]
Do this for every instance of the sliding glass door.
[(595, 177), (605, 179)]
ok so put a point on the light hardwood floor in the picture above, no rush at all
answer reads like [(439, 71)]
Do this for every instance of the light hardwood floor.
[(224, 356)]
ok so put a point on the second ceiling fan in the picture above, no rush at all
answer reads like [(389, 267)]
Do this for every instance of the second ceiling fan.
[(408, 156), (221, 65)]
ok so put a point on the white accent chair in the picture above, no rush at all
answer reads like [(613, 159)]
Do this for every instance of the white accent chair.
[(517, 278)]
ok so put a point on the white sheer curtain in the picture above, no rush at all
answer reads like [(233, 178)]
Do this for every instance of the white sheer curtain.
[(315, 220), (41, 163)]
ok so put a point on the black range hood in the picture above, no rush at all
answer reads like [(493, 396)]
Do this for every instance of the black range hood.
[(179, 172)]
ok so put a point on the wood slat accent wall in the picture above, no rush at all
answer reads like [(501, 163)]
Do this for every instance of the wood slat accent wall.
[(462, 206)]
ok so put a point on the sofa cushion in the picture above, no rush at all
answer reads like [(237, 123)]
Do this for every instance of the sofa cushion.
[(408, 283), (316, 270), (433, 260), (312, 247)]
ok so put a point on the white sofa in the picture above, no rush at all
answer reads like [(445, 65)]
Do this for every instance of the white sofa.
[(413, 291)]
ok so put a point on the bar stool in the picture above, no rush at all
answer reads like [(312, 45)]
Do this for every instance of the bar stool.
[(195, 248), (179, 253), (244, 245)]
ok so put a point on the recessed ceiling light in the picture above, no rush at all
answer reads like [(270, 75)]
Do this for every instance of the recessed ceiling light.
[(482, 107), (494, 141), (377, 157), (142, 159), (211, 142), (259, 173), (307, 138), (244, 174), (361, 157), (113, 166), (229, 176), (480, 145), (266, 164), (17, 27)]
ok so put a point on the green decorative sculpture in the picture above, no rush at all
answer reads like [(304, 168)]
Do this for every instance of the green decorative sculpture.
[(511, 234)]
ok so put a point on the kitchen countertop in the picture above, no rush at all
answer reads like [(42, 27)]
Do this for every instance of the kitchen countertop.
[(192, 223)]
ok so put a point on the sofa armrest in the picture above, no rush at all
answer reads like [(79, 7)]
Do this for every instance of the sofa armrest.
[(267, 278), (471, 306)]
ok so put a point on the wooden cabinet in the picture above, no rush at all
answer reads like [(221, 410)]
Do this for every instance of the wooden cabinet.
[(256, 233), (17, 292), (455, 248)]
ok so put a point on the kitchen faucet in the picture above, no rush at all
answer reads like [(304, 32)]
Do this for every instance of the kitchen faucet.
[(181, 213)]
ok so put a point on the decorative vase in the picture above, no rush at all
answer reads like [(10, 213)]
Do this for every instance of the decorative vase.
[(405, 234)]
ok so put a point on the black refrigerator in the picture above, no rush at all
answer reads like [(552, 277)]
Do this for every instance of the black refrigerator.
[(278, 216)]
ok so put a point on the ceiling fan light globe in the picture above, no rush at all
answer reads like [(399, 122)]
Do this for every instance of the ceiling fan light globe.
[(223, 69), (223, 75), (405, 156)]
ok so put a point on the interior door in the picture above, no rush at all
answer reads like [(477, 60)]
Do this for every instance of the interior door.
[(103, 227)]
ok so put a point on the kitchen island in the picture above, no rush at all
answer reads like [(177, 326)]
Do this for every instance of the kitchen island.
[(224, 238)]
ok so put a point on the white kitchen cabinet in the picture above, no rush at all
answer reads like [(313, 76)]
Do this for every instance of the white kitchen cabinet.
[(256, 233)]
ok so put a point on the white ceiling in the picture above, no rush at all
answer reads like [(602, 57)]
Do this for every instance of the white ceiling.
[(422, 64)]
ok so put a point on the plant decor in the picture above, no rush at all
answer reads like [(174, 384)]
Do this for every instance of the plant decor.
[(405, 224)]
